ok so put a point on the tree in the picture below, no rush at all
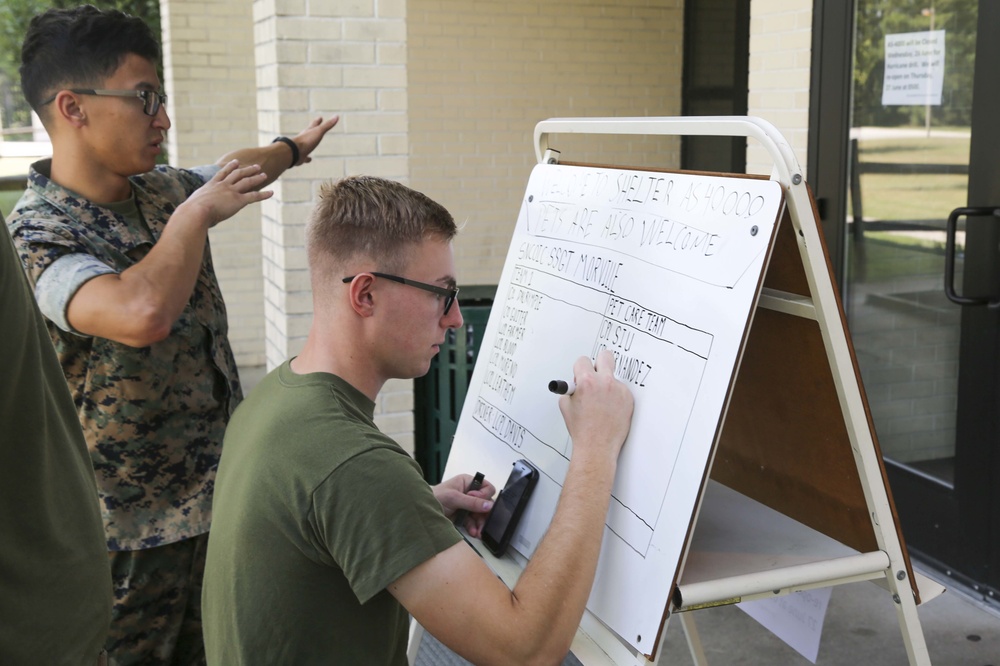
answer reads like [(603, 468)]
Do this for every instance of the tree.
[(877, 18), (14, 18)]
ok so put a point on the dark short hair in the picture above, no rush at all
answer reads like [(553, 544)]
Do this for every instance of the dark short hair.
[(371, 217), (79, 47)]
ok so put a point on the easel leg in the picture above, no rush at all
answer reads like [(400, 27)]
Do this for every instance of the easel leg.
[(909, 624), (416, 636), (693, 639)]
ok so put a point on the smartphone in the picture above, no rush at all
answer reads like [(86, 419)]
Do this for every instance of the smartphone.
[(508, 507)]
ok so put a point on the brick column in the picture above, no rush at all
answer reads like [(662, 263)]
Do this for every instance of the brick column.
[(207, 56), (780, 61), (320, 58)]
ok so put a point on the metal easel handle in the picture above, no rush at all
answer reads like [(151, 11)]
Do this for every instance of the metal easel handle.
[(786, 165)]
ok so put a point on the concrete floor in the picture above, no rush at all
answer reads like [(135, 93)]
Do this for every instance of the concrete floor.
[(860, 630)]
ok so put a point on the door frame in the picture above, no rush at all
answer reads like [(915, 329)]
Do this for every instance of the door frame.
[(978, 431), (827, 155)]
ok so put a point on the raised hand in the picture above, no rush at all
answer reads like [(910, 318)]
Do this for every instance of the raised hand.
[(232, 188), (312, 135)]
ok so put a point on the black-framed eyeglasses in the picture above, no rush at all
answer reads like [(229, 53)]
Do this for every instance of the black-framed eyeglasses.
[(151, 100), (450, 294)]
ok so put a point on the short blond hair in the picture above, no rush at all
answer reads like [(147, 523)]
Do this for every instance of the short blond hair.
[(374, 218)]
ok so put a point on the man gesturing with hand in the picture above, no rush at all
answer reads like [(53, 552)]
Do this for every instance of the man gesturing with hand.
[(116, 249)]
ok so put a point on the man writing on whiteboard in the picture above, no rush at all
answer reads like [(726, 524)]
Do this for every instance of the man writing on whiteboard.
[(325, 535)]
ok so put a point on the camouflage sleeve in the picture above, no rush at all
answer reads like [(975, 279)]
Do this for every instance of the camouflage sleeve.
[(178, 184), (60, 282), (40, 241)]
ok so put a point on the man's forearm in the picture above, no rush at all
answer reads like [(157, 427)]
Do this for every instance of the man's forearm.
[(139, 306), (556, 584), (169, 272), (274, 159), (278, 157)]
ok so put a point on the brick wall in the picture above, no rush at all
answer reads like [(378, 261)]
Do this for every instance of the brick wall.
[(442, 95), (482, 74), (320, 58), (209, 78), (780, 55)]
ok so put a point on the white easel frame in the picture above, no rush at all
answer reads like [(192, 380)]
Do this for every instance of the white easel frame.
[(816, 561)]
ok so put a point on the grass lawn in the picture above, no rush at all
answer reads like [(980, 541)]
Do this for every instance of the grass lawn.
[(7, 201), (886, 254), (909, 196), (890, 256), (13, 167)]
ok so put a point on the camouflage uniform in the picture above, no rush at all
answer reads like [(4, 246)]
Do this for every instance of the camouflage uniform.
[(153, 417)]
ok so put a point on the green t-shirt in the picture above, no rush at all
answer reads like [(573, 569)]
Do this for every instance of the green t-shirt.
[(55, 576), (315, 513)]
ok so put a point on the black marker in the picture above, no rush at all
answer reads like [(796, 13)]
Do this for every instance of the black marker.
[(477, 483), (562, 387)]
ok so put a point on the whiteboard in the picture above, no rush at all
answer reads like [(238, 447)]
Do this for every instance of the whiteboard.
[(662, 269)]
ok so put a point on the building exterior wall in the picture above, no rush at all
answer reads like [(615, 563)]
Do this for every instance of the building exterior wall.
[(780, 59), (209, 78), (483, 73), (442, 95)]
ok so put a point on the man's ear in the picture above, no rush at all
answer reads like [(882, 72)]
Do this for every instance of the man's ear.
[(362, 295), (68, 107)]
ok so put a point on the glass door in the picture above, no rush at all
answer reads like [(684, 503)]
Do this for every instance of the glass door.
[(923, 113)]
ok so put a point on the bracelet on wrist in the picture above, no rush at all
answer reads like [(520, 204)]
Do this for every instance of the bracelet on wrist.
[(291, 144)]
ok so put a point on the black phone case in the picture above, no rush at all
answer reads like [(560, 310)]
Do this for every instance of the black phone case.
[(499, 548)]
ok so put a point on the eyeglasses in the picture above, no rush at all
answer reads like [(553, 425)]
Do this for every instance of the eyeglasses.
[(151, 100), (449, 294)]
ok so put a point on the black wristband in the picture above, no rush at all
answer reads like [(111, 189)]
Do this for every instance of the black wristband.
[(291, 144)]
